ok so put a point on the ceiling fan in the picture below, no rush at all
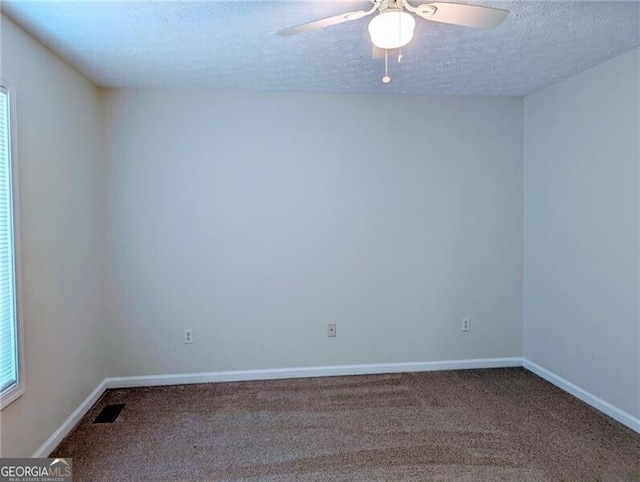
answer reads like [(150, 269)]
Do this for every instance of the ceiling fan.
[(392, 27)]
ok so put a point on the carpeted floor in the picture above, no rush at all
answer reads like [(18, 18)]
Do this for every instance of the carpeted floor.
[(472, 425)]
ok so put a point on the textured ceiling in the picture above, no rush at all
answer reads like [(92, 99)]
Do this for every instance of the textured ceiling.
[(233, 45)]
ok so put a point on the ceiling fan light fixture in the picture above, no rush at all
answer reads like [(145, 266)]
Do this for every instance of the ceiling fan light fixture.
[(392, 29)]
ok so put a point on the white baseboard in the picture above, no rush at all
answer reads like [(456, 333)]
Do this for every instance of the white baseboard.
[(305, 372), (52, 442), (605, 407)]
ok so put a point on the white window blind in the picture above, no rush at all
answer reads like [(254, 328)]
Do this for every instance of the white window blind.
[(8, 323)]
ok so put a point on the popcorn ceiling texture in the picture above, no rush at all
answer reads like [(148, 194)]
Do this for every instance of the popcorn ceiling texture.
[(233, 45)]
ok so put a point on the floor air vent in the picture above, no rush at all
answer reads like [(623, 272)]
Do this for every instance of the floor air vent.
[(109, 413)]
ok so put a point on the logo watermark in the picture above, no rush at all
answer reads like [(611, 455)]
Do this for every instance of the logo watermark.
[(36, 470)]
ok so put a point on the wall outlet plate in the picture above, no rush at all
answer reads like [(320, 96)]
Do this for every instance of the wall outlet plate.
[(188, 335), (466, 324), (331, 330)]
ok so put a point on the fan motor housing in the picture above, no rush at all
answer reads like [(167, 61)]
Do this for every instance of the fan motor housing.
[(387, 4)]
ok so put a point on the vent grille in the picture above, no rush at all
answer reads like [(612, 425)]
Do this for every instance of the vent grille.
[(109, 414)]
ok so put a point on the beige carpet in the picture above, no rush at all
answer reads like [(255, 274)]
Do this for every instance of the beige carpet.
[(472, 425)]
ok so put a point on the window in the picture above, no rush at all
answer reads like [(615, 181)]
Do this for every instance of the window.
[(11, 379)]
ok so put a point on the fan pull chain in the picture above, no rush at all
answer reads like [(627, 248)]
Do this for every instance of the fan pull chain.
[(400, 34), (386, 79)]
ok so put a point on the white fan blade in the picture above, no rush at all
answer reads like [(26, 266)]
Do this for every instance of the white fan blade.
[(326, 22), (458, 14)]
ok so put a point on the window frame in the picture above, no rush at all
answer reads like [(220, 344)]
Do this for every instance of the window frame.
[(18, 390)]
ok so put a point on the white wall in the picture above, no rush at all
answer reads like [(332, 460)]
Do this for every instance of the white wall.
[(581, 220), (256, 219), (57, 154)]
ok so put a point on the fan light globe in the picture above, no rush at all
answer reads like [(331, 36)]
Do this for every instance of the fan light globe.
[(391, 29)]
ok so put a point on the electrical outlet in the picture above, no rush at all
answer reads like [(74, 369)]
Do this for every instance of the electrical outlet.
[(466, 324), (188, 335), (331, 330)]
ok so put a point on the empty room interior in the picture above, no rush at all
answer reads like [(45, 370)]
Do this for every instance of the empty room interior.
[(252, 241)]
